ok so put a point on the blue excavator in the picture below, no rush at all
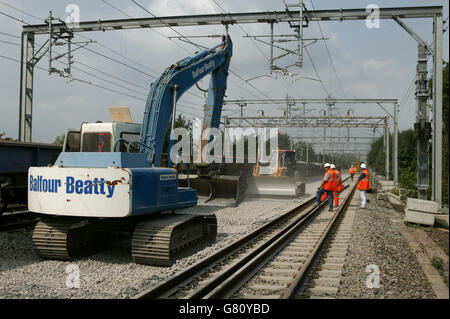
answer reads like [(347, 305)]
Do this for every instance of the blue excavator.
[(108, 180)]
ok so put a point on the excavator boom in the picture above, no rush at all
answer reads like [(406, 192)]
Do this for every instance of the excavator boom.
[(175, 81)]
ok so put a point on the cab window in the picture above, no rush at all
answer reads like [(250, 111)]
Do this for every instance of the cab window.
[(130, 137), (97, 142), (72, 142)]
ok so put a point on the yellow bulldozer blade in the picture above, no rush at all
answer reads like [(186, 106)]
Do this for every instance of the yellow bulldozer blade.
[(265, 185)]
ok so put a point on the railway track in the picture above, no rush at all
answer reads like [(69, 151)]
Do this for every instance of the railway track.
[(275, 261)]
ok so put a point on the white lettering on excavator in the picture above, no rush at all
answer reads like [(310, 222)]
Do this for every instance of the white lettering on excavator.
[(169, 177), (205, 67)]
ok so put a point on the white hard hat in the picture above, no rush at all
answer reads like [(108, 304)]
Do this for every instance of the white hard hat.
[(327, 165), (332, 166), (363, 165)]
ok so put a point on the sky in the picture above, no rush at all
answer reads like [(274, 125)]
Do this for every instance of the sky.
[(360, 62)]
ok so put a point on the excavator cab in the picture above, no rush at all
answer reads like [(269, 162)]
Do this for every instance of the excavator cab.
[(103, 137)]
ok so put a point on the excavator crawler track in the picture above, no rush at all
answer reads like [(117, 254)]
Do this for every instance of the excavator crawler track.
[(160, 241), (67, 239)]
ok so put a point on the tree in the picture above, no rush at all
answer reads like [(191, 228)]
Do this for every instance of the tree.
[(300, 150), (284, 141), (180, 121), (445, 141), (59, 140), (5, 138)]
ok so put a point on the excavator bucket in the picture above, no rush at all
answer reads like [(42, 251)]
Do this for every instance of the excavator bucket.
[(222, 190), (276, 186)]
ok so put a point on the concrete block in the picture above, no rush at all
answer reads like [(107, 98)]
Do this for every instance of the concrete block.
[(387, 185), (441, 220), (395, 201), (415, 217), (420, 205)]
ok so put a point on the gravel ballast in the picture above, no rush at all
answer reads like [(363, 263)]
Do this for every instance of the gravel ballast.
[(377, 244), (112, 273)]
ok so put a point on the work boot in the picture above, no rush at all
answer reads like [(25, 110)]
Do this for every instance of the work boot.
[(330, 209)]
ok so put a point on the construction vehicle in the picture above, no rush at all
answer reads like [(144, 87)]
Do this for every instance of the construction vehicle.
[(15, 159), (108, 178), (278, 176)]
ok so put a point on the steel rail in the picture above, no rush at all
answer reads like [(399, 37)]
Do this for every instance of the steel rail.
[(170, 285), (234, 282), (173, 284), (300, 277)]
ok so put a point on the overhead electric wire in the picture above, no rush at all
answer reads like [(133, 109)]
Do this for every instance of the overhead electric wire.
[(9, 34), (156, 31), (86, 65), (83, 81), (317, 73), (329, 55), (143, 8), (12, 17), (240, 27), (97, 85), (254, 43), (122, 12), (106, 2), (13, 43), (107, 57), (96, 42), (407, 94), (231, 71), (117, 9), (24, 22)]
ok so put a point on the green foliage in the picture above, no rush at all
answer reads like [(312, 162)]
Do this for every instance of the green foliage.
[(5, 138), (377, 156), (445, 141), (284, 141), (59, 140), (300, 151), (438, 264), (180, 121), (407, 151)]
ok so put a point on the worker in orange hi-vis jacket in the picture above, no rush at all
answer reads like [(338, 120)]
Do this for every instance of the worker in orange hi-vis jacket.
[(364, 184), (330, 184), (352, 171), (339, 188)]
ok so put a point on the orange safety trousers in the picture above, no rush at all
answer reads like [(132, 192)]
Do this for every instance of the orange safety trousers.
[(335, 197)]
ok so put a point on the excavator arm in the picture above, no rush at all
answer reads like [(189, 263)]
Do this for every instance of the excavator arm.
[(172, 84)]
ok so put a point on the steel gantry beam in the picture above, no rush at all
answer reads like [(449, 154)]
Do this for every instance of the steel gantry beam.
[(240, 18), (322, 121), (226, 19), (332, 101), (308, 121)]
